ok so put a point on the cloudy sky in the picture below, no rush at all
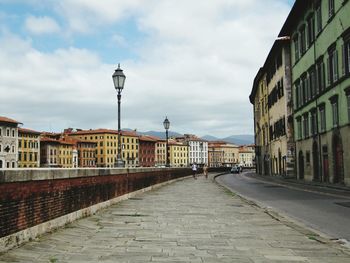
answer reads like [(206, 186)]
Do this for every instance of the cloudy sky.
[(191, 60)]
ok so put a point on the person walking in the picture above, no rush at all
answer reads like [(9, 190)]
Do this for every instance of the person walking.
[(194, 170), (205, 170)]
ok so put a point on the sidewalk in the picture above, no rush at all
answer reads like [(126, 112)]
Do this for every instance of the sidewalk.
[(188, 221), (335, 189)]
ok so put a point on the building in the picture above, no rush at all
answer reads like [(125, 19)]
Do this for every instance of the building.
[(147, 151), (67, 154), (28, 148), (247, 156), (8, 142), (259, 99), (130, 148), (197, 149), (222, 153), (178, 154), (160, 153), (106, 144), (86, 153), (275, 154), (320, 61), (49, 152)]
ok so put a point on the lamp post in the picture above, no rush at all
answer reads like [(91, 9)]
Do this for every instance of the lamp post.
[(118, 80), (166, 124)]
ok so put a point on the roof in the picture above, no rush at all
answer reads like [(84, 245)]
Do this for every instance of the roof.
[(24, 130), (298, 10), (93, 131), (46, 139), (8, 120), (147, 138)]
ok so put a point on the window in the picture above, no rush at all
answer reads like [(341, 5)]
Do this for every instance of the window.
[(302, 40), (299, 127), (347, 98), (306, 125), (313, 122), (320, 76), (332, 65), (318, 18), (346, 57), (312, 83), (8, 132), (330, 8), (13, 133), (0, 133), (311, 29), (335, 110)]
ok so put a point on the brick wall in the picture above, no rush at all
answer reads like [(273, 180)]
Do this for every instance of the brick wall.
[(29, 198)]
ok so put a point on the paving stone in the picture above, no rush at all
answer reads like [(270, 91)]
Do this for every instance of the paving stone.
[(188, 221)]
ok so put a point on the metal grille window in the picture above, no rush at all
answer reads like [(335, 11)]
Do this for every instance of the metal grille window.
[(319, 18), (330, 8), (322, 112)]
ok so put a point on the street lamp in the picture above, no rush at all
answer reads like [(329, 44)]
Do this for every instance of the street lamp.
[(166, 124), (118, 80)]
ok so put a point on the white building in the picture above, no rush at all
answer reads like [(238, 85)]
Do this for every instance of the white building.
[(247, 156), (197, 149), (8, 143)]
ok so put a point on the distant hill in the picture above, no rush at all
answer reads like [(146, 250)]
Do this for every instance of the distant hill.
[(235, 139), (160, 134), (242, 139)]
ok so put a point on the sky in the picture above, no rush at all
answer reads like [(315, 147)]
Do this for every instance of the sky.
[(192, 61)]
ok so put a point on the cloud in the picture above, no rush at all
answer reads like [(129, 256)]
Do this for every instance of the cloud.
[(41, 25), (196, 63)]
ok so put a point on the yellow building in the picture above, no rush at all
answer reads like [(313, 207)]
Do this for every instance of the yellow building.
[(65, 154), (222, 153), (178, 154), (259, 98), (107, 145), (28, 148), (130, 148), (161, 153)]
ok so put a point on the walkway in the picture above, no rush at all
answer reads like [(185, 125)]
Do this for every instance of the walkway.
[(188, 221)]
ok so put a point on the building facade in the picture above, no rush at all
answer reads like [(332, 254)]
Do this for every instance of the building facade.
[(160, 153), (49, 152), (130, 148), (178, 154), (28, 148), (197, 149), (272, 99), (222, 153), (320, 60), (147, 151), (247, 156), (8, 143)]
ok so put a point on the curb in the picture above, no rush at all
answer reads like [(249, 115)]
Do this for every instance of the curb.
[(309, 232)]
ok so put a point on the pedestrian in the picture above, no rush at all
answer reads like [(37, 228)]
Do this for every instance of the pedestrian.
[(205, 170), (194, 170)]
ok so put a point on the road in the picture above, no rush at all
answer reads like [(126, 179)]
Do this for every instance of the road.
[(321, 211)]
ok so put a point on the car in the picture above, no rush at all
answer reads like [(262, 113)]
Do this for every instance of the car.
[(235, 169)]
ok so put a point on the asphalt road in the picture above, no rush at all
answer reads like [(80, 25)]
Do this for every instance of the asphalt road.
[(321, 211)]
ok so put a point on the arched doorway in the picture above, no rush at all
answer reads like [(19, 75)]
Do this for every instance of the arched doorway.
[(301, 165), (338, 159), (315, 162)]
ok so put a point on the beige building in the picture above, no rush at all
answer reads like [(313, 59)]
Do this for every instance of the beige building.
[(247, 156), (222, 153), (161, 153), (28, 148), (8, 143), (275, 145)]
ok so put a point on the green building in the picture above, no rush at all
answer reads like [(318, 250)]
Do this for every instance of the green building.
[(320, 62)]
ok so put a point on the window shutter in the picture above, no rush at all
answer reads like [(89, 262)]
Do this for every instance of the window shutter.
[(328, 72), (336, 65), (343, 60)]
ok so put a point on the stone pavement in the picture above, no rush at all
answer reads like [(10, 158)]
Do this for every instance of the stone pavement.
[(187, 221)]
